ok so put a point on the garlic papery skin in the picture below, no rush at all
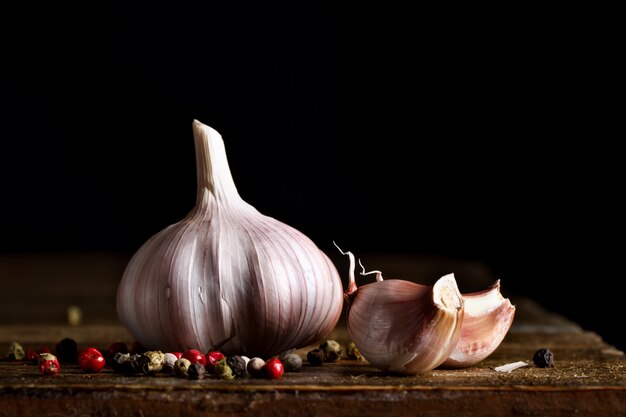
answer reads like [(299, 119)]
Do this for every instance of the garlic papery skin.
[(228, 276), (403, 327), (486, 321)]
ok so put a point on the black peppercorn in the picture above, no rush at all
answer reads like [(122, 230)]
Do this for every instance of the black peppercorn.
[(291, 362), (237, 364), (67, 350), (315, 357), (196, 371), (543, 358)]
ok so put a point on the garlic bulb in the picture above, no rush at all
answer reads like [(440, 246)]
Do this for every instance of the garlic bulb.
[(404, 327), (228, 275), (486, 320)]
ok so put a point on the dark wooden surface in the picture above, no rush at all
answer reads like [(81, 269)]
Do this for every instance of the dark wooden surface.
[(589, 377)]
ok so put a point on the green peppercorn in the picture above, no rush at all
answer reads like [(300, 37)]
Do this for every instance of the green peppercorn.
[(181, 367), (15, 352), (222, 370), (353, 352), (196, 371), (315, 357), (332, 351), (151, 362)]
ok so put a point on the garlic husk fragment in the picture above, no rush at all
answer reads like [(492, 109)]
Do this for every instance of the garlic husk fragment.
[(486, 320), (228, 273), (404, 327)]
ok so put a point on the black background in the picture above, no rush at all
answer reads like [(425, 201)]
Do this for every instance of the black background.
[(481, 136)]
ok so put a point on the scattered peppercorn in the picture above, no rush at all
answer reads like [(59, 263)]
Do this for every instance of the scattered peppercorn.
[(237, 364), (543, 358), (194, 355), (255, 367), (273, 368), (151, 362), (181, 367), (222, 370), (291, 362), (109, 353), (15, 352), (169, 359), (353, 352), (315, 357), (177, 354), (212, 358), (196, 371), (49, 364), (32, 356), (332, 351), (91, 360), (67, 351), (121, 363)]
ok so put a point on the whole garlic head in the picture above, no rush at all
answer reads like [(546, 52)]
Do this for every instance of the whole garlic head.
[(228, 276)]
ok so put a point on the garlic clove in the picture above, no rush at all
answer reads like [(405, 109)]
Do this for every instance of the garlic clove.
[(404, 327), (486, 321)]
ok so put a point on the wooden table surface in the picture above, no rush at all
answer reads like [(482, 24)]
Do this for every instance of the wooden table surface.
[(589, 377)]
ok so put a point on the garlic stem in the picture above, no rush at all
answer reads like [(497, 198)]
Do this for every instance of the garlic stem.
[(351, 279), (379, 275), (213, 172)]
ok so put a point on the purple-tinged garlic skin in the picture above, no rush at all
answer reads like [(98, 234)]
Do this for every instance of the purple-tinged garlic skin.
[(400, 326), (227, 273), (486, 321), (404, 327)]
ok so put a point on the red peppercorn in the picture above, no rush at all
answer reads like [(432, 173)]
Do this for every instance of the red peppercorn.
[(32, 356), (137, 348), (91, 360), (177, 354), (48, 364), (117, 347), (44, 349), (193, 356), (274, 368), (212, 358)]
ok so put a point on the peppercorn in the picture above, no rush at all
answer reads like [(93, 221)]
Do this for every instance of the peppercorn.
[(168, 363), (237, 364), (121, 363), (332, 351), (137, 348), (196, 371), (32, 356), (194, 355), (91, 360), (353, 352), (67, 350), (543, 358), (222, 370), (273, 368), (255, 367), (181, 367), (151, 362), (212, 358), (291, 362), (15, 352), (315, 357), (49, 364)]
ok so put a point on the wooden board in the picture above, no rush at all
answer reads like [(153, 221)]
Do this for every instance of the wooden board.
[(589, 378)]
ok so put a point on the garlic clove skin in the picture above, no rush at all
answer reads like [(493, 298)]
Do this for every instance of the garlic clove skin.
[(486, 321), (404, 327), (228, 276)]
